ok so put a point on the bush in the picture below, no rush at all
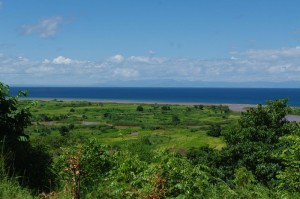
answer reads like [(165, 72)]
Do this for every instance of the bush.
[(214, 130), (199, 107), (71, 126), (83, 167), (165, 108), (63, 130), (139, 108), (107, 115), (175, 119)]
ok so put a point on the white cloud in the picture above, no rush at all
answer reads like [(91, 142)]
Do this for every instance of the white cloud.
[(146, 60), (1, 4), (46, 61), (62, 60), (140, 59), (117, 58), (269, 54), (45, 28), (40, 69), (250, 66), (125, 72)]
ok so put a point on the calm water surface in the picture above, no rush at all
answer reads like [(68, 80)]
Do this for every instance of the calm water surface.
[(205, 95)]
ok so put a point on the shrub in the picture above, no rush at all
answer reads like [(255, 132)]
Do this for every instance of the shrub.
[(175, 119), (165, 108), (139, 108), (214, 130), (199, 107), (71, 126), (82, 167), (63, 130)]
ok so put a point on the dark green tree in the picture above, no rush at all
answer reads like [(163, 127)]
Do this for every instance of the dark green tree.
[(254, 140), (289, 178), (214, 130), (175, 120), (13, 118), (139, 108), (165, 108), (63, 130), (30, 163)]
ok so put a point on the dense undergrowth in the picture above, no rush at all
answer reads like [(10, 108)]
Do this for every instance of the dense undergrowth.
[(95, 150)]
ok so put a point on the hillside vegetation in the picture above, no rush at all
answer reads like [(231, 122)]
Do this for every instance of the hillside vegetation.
[(109, 150)]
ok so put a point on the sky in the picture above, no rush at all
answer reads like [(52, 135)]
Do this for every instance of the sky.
[(98, 42)]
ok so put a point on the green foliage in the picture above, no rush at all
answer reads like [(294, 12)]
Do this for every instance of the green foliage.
[(86, 162), (111, 123), (165, 108), (107, 115), (139, 108), (202, 155), (295, 111), (71, 126), (246, 186), (243, 178), (175, 120), (182, 178), (142, 148), (260, 159), (30, 163), (252, 143), (214, 130), (261, 147), (13, 118), (290, 176), (199, 107), (172, 177), (33, 165), (63, 130), (9, 189)]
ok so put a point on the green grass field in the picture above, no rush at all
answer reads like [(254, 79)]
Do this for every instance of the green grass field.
[(165, 126)]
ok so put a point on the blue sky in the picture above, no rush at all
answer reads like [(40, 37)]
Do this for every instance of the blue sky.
[(54, 42)]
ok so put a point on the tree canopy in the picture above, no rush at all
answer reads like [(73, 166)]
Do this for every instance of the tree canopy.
[(13, 118)]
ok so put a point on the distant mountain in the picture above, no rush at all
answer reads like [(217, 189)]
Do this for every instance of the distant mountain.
[(174, 83)]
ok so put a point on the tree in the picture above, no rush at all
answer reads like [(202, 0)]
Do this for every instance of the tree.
[(63, 130), (31, 163), (139, 108), (175, 119), (165, 108), (214, 130), (254, 140), (199, 107), (289, 178), (13, 118), (83, 166)]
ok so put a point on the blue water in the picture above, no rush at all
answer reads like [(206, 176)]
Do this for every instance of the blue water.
[(196, 95)]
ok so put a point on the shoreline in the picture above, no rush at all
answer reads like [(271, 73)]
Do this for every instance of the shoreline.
[(234, 107)]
